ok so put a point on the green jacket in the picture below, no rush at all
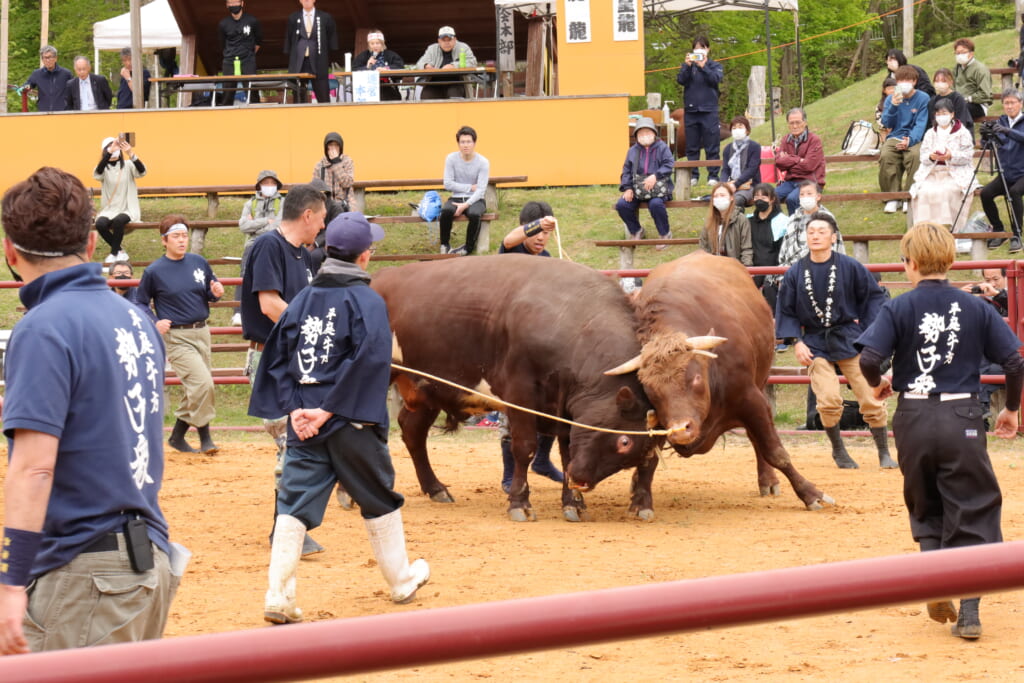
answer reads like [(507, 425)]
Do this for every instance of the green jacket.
[(974, 82)]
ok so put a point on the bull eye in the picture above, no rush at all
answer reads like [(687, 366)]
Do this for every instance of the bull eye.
[(625, 442)]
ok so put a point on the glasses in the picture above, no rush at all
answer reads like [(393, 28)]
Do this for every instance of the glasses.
[(904, 259), (372, 250)]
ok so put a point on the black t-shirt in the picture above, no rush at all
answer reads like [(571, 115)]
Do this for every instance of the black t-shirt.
[(239, 38), (274, 265)]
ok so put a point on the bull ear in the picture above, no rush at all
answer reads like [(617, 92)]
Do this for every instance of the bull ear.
[(631, 365), (626, 400), (705, 342)]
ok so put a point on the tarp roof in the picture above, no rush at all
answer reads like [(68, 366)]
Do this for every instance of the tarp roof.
[(159, 29), (685, 6)]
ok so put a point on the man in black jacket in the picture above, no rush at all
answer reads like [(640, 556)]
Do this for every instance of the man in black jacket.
[(87, 91), (51, 80), (309, 37)]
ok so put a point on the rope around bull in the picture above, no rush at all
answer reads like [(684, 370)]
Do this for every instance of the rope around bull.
[(495, 399)]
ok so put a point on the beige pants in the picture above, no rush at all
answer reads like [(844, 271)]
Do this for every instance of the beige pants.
[(97, 599), (825, 383), (188, 352)]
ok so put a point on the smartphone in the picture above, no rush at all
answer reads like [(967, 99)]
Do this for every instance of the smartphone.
[(127, 137)]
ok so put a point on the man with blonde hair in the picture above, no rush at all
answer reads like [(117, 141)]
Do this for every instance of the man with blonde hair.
[(938, 336)]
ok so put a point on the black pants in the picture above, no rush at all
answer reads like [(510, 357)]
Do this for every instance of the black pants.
[(988, 203), (227, 67), (949, 488), (321, 87), (112, 230), (702, 132), (473, 214)]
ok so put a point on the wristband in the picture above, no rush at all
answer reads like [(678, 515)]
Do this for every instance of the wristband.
[(532, 228), (18, 550)]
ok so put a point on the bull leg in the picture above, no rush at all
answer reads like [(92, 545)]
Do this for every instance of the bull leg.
[(641, 501), (415, 427), (767, 477), (761, 432), (574, 508), (519, 508)]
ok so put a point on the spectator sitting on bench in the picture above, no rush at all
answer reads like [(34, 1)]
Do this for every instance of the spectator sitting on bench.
[(726, 230), (888, 88), (337, 169), (767, 228), (647, 169), (945, 175), (894, 59), (992, 289), (466, 175), (799, 156), (741, 162), (794, 244), (119, 196), (1009, 141), (906, 116), (943, 81), (260, 214), (972, 79)]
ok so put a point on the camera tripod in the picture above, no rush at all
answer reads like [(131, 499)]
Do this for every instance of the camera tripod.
[(988, 142)]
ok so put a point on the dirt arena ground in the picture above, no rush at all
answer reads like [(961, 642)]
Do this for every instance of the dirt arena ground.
[(709, 521)]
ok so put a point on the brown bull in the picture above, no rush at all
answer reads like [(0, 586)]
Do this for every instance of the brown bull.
[(537, 332), (708, 339)]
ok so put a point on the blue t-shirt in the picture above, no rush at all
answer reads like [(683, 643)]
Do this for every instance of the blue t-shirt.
[(86, 366), (273, 265), (939, 335), (179, 289)]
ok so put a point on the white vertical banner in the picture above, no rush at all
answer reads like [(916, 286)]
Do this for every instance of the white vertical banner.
[(506, 39), (577, 21), (625, 22), (366, 86)]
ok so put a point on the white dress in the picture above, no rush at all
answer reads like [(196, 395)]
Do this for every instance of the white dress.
[(939, 188)]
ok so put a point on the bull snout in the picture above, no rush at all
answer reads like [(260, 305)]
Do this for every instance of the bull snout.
[(574, 485), (682, 433)]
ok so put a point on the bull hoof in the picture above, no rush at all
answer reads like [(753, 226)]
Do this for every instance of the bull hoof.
[(571, 514), (522, 515), (820, 503), (442, 497), (344, 500), (773, 490), (644, 515)]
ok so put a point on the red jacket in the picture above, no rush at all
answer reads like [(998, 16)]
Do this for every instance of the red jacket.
[(804, 163)]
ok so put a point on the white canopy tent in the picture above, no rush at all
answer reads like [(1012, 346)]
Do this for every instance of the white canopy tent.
[(159, 29)]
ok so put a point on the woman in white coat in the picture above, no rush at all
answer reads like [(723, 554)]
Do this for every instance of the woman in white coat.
[(945, 175)]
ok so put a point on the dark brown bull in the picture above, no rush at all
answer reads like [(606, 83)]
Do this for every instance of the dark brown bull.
[(537, 332), (708, 339)]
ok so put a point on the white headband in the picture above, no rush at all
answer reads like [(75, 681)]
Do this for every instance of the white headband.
[(177, 227), (375, 36), (47, 254)]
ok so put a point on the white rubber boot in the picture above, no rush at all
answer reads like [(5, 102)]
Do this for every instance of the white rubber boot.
[(279, 604), (387, 538)]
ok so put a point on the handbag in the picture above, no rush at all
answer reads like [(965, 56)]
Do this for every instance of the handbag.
[(659, 191)]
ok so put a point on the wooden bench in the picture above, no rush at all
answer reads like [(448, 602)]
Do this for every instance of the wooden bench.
[(360, 187), (1006, 81), (211, 192), (979, 243), (483, 244)]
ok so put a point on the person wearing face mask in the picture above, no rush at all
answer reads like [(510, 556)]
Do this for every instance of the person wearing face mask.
[(794, 244), (894, 59), (122, 270), (946, 173), (972, 79), (119, 196), (701, 77), (726, 231), (943, 81), (906, 116), (767, 228), (741, 163), (337, 169), (241, 37), (648, 168), (260, 214), (1009, 141), (379, 58)]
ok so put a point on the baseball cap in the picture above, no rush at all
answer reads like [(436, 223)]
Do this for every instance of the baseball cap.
[(446, 31), (351, 234), (106, 143)]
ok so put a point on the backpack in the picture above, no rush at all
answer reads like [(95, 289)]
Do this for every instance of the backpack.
[(861, 138), (429, 207)]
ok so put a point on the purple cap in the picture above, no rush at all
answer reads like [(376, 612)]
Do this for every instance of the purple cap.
[(351, 234)]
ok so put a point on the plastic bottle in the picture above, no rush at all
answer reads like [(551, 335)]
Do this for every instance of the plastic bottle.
[(462, 59), (238, 66)]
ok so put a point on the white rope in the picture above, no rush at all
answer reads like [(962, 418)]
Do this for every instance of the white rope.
[(495, 399)]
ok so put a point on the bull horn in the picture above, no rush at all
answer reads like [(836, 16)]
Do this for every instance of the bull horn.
[(705, 353), (705, 342), (631, 365)]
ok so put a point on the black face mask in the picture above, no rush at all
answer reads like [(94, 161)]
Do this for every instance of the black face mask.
[(235, 9), (761, 205)]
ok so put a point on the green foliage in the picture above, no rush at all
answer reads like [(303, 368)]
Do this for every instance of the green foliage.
[(70, 31)]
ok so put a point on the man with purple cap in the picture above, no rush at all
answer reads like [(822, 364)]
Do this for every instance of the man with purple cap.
[(327, 365)]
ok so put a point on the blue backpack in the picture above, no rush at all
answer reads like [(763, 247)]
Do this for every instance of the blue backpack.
[(429, 207)]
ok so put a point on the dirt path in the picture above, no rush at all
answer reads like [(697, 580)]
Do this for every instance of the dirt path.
[(709, 521)]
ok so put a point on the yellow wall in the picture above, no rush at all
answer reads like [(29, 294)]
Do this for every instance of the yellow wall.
[(555, 141), (602, 65)]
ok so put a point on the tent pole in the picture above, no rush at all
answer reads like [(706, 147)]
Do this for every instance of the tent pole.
[(768, 47)]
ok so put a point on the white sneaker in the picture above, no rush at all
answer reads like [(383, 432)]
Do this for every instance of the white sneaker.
[(122, 255), (110, 259), (236, 320), (906, 205), (693, 181), (712, 182), (891, 206)]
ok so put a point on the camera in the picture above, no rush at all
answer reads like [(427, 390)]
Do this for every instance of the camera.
[(976, 289), (987, 130)]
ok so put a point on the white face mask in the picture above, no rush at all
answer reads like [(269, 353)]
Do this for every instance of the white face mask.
[(808, 203), (893, 65), (722, 203), (942, 88), (904, 88), (645, 138), (739, 134), (943, 119), (962, 58), (268, 190), (115, 155)]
